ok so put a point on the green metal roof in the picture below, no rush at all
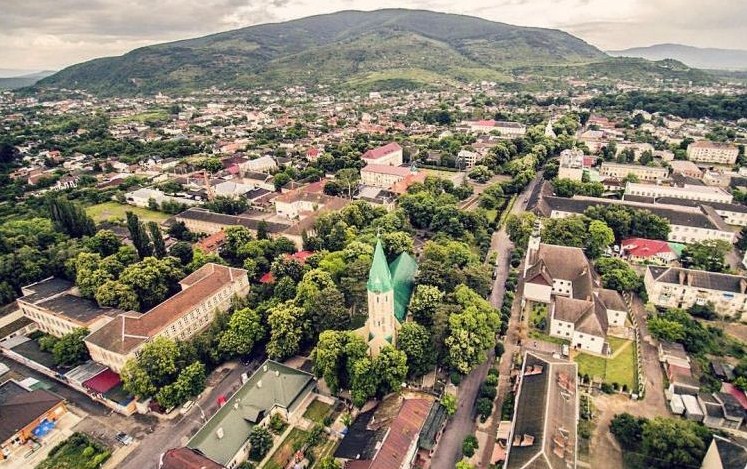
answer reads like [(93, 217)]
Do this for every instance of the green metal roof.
[(273, 384), (677, 248), (379, 277), (403, 276)]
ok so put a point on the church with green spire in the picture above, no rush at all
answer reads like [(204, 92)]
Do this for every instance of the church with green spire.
[(389, 288)]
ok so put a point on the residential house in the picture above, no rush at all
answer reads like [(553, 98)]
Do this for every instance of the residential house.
[(642, 250), (22, 412)]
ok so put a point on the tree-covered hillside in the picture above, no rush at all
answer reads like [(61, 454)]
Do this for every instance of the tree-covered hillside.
[(395, 46)]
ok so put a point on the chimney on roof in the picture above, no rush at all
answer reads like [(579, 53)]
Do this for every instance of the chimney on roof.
[(742, 285), (682, 277)]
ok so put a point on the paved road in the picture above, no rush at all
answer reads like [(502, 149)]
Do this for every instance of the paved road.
[(449, 449), (176, 432), (503, 246)]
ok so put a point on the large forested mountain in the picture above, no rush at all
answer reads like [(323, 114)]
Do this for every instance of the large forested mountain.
[(387, 47)]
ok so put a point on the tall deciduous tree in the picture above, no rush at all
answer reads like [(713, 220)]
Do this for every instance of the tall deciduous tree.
[(415, 341), (159, 246), (244, 330), (139, 236), (287, 327), (70, 218), (70, 350)]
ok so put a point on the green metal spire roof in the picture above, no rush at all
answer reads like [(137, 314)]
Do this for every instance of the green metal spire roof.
[(379, 277), (403, 276)]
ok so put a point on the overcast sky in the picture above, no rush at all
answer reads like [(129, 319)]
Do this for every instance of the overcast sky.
[(51, 34)]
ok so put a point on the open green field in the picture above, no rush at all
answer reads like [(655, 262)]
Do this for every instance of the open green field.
[(620, 368), (286, 449), (317, 410), (147, 117), (114, 211)]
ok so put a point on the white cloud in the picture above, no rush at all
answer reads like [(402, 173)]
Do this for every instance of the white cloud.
[(54, 34)]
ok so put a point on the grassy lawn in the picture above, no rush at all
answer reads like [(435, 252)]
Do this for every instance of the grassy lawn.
[(325, 449), (114, 211), (286, 449), (77, 452), (317, 410), (492, 215), (620, 369), (147, 117)]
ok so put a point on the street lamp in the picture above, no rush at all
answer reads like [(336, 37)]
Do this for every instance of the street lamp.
[(202, 413)]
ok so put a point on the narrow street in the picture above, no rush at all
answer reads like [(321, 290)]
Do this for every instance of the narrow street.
[(462, 424), (176, 432)]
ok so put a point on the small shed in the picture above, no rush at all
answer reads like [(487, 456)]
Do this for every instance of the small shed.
[(676, 405), (693, 410)]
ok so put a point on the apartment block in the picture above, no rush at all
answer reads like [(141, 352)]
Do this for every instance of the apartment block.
[(643, 173), (674, 287), (705, 151)]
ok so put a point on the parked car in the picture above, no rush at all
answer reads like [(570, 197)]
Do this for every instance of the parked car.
[(185, 408), (124, 438)]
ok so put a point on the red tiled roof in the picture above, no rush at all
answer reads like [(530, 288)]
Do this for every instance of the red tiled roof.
[(402, 186), (269, 277), (103, 382), (212, 242), (376, 153), (129, 330), (405, 430), (642, 247), (490, 123), (737, 393), (185, 458), (301, 256)]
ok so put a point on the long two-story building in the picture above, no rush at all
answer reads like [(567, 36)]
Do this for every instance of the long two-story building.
[(674, 287)]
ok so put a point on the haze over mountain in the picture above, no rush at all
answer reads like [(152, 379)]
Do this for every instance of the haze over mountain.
[(11, 79), (381, 49), (707, 58)]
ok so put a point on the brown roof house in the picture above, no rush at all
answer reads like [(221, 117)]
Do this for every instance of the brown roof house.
[(579, 309), (205, 291), (22, 411)]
